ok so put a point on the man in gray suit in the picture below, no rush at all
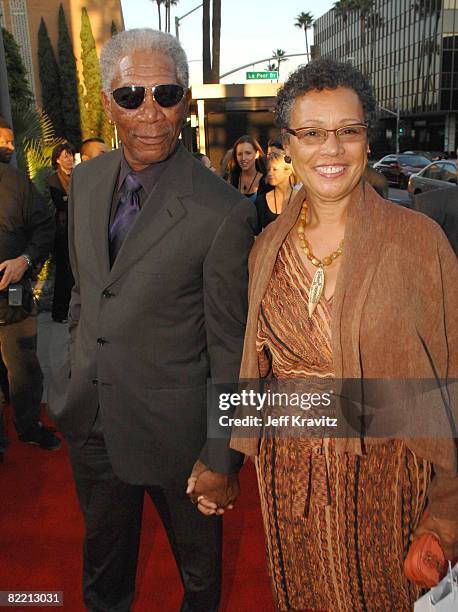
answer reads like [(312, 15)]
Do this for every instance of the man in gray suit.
[(159, 247)]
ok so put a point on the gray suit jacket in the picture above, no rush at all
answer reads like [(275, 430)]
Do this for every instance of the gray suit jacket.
[(146, 334)]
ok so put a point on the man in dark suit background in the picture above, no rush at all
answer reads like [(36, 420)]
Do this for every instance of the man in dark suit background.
[(442, 206), (159, 247)]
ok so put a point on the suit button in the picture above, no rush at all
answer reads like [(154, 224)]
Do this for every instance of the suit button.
[(95, 382), (101, 341), (107, 294)]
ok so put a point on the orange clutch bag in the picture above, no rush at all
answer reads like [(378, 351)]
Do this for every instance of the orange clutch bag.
[(425, 563)]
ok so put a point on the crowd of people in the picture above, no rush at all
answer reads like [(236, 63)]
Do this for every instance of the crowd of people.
[(288, 266)]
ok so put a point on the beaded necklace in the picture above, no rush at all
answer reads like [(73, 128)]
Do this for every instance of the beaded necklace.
[(317, 286)]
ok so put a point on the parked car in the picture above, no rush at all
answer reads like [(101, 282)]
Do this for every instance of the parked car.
[(431, 155), (398, 168), (437, 175)]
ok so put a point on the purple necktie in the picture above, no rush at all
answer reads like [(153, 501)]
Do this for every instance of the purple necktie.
[(128, 207)]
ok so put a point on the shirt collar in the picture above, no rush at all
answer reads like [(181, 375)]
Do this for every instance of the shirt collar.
[(150, 175)]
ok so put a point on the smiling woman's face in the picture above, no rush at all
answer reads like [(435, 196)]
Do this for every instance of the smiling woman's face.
[(329, 171), (246, 156)]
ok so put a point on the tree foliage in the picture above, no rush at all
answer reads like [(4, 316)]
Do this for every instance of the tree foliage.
[(50, 80), (69, 83), (91, 107), (18, 84)]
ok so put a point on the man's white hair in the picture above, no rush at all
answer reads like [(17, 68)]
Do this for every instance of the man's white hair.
[(126, 42)]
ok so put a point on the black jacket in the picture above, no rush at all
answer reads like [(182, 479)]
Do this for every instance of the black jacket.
[(26, 224)]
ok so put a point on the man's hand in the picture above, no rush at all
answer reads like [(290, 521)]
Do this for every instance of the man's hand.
[(14, 271), (211, 491)]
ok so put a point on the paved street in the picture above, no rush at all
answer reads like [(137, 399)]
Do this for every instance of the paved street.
[(399, 195)]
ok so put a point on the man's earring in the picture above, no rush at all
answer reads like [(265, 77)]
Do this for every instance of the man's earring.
[(287, 159)]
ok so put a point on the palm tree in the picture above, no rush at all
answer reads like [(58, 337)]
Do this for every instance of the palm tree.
[(279, 55), (168, 4), (206, 52), (342, 10), (159, 3), (216, 39), (305, 21), (364, 8), (271, 67)]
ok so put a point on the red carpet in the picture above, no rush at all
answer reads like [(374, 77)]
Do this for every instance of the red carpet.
[(41, 533)]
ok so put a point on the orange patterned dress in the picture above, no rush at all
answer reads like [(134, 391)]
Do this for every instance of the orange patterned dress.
[(337, 526)]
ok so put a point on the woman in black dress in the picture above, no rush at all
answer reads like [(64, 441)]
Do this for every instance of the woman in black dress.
[(62, 161), (280, 176)]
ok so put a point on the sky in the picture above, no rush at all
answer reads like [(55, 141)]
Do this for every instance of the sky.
[(250, 31)]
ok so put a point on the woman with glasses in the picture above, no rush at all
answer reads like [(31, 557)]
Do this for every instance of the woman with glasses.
[(280, 176), (247, 167), (63, 157), (348, 287)]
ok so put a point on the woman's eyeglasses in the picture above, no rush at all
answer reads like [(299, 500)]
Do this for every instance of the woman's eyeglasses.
[(132, 96), (318, 136)]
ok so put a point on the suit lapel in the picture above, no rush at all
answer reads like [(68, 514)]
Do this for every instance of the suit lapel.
[(159, 214), (99, 210)]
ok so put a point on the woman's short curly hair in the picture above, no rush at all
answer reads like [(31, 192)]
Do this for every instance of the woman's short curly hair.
[(323, 74)]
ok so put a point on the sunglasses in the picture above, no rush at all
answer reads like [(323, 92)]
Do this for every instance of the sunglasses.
[(132, 96)]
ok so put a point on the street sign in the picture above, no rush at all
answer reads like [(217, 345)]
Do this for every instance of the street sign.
[(262, 75)]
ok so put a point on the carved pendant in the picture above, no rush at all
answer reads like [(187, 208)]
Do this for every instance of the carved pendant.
[(316, 289)]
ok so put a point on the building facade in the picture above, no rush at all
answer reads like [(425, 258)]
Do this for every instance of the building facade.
[(22, 18), (409, 49)]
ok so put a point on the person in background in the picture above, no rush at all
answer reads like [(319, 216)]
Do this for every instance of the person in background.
[(442, 206), (59, 182), (275, 145), (378, 182), (280, 176), (247, 168), (344, 287), (6, 142), (92, 147), (206, 161), (224, 165), (26, 238)]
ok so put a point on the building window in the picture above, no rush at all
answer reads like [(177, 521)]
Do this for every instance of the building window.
[(2, 14), (20, 31)]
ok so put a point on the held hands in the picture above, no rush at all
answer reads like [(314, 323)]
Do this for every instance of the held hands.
[(211, 491), (13, 271)]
